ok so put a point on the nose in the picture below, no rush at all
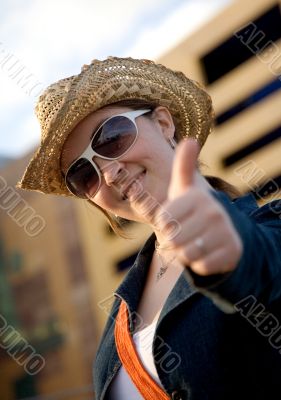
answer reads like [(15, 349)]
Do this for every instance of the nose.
[(112, 171)]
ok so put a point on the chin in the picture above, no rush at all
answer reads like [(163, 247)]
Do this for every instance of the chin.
[(143, 210)]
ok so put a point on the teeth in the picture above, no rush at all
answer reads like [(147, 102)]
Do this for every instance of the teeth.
[(133, 191)]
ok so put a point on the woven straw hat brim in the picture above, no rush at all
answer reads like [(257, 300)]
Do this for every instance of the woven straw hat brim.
[(67, 102)]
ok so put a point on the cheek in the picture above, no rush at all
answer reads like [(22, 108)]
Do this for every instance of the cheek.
[(155, 146), (105, 198)]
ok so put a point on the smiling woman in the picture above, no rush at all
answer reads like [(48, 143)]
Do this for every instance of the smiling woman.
[(125, 135), (127, 139)]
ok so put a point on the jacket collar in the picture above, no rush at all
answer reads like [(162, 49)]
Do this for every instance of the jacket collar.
[(132, 286), (247, 203)]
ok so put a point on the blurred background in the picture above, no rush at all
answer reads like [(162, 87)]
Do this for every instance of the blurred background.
[(59, 260)]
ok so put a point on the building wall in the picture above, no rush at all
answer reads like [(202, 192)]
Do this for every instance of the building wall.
[(47, 293), (245, 135)]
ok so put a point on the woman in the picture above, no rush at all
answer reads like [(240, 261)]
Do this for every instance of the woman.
[(197, 316)]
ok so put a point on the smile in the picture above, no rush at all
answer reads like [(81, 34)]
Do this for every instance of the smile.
[(133, 188)]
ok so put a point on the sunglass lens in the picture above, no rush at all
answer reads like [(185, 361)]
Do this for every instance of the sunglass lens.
[(82, 179), (115, 137)]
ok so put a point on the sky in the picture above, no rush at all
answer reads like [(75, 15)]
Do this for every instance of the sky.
[(50, 40)]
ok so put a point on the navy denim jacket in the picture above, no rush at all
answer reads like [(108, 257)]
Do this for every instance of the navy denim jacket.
[(217, 337)]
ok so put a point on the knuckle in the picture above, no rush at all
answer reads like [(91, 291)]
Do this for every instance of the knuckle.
[(212, 215), (161, 218), (204, 268)]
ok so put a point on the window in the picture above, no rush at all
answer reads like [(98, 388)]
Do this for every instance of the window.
[(243, 45), (249, 101), (252, 147)]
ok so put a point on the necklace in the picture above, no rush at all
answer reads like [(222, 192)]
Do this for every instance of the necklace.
[(163, 267)]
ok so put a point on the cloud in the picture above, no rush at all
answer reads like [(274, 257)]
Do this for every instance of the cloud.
[(153, 41), (52, 39), (46, 34)]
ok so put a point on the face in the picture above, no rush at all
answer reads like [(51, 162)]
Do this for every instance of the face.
[(148, 163)]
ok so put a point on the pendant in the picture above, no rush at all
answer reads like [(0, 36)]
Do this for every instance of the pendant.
[(161, 273), (163, 267)]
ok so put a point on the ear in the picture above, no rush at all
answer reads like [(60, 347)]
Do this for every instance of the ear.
[(162, 116)]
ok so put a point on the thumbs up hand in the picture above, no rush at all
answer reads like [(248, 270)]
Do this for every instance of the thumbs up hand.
[(184, 168), (207, 240)]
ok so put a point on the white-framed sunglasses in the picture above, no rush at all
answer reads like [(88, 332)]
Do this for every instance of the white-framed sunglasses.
[(112, 140)]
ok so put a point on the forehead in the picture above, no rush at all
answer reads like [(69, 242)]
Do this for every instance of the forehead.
[(80, 136)]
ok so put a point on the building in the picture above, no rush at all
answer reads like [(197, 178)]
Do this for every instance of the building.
[(237, 56), (45, 295)]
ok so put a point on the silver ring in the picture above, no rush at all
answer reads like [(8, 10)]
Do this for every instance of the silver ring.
[(199, 242)]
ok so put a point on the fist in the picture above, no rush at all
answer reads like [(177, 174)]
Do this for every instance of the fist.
[(207, 240)]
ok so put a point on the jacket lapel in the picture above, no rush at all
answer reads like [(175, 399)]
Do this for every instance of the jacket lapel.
[(132, 286)]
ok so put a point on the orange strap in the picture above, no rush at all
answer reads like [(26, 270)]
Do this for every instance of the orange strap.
[(145, 384)]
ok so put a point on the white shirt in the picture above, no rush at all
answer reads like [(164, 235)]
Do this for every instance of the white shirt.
[(122, 387)]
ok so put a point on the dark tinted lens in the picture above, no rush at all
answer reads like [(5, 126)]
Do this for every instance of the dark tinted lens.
[(115, 137), (82, 178)]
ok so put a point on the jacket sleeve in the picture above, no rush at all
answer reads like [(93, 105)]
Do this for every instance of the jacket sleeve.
[(258, 272)]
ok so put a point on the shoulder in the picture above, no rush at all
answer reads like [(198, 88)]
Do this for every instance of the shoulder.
[(248, 204), (269, 212)]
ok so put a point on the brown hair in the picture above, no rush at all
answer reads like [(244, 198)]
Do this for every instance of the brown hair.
[(117, 224)]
